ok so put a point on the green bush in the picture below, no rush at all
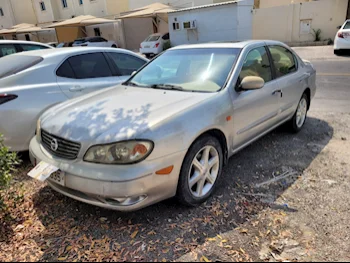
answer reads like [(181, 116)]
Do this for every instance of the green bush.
[(317, 34), (8, 161)]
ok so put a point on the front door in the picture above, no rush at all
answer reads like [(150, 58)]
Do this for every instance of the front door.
[(255, 111)]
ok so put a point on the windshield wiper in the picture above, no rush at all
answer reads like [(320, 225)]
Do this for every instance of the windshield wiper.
[(133, 84), (167, 86)]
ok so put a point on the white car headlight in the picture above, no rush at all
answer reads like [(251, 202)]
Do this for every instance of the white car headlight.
[(127, 152)]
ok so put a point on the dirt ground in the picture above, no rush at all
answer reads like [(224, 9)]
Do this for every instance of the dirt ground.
[(307, 222)]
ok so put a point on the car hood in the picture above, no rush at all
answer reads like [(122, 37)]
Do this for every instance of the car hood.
[(116, 114)]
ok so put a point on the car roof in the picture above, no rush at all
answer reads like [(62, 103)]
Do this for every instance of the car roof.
[(23, 42), (49, 53), (240, 45)]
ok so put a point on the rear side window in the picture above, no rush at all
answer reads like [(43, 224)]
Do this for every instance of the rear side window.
[(283, 60), (89, 66), (7, 49), (29, 47), (65, 71), (347, 25), (125, 63), (11, 65)]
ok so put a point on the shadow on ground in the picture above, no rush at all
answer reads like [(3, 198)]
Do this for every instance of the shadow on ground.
[(168, 230)]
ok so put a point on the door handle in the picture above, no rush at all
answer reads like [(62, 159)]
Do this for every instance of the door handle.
[(279, 92), (76, 88)]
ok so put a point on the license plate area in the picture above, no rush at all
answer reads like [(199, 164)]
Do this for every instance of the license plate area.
[(58, 177)]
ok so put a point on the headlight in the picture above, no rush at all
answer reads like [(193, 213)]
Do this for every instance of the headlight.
[(127, 152), (38, 129)]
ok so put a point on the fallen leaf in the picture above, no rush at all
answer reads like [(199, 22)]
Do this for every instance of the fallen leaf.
[(224, 241), (219, 237), (164, 260), (205, 259), (152, 233), (69, 248), (62, 258), (242, 250), (133, 235)]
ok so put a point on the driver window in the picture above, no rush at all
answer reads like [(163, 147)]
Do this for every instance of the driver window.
[(257, 64)]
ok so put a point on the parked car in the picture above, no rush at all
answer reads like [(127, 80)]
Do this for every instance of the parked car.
[(154, 44), (94, 42), (8, 47), (65, 44), (34, 81), (52, 44), (342, 38), (171, 127)]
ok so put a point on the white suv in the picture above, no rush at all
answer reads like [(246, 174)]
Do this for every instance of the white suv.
[(342, 39), (8, 47), (94, 42)]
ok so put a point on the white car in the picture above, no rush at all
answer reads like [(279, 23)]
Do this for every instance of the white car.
[(154, 44), (342, 39), (32, 82), (8, 47), (94, 42)]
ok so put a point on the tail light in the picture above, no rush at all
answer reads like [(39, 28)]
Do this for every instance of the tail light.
[(341, 35), (7, 97), (156, 45)]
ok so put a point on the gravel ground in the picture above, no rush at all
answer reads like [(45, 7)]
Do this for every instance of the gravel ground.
[(48, 226)]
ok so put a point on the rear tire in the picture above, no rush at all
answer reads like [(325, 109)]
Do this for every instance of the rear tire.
[(300, 115), (200, 171), (114, 46), (337, 52)]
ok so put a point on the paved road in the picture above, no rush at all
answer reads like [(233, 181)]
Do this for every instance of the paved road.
[(333, 79)]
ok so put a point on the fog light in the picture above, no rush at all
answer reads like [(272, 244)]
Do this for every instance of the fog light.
[(127, 201)]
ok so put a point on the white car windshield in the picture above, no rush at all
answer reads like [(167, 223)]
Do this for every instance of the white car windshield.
[(347, 25), (201, 69)]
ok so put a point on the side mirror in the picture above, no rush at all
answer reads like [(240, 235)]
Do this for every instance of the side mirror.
[(338, 27), (252, 83), (132, 74)]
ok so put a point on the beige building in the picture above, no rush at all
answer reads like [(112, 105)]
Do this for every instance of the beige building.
[(13, 12), (134, 4), (297, 22)]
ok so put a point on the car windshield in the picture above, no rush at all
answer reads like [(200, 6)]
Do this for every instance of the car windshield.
[(347, 25), (80, 41), (152, 38), (201, 69)]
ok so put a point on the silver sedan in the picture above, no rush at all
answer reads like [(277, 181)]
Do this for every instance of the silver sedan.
[(171, 127), (31, 82)]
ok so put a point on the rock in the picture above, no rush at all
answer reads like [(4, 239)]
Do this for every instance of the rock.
[(288, 244), (264, 253), (293, 253)]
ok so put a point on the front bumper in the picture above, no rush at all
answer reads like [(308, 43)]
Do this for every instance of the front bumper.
[(137, 182)]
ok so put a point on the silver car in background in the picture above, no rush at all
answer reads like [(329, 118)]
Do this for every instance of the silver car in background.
[(171, 127), (31, 82)]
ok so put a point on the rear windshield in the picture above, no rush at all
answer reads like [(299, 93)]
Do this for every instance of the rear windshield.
[(14, 64), (152, 38), (347, 25)]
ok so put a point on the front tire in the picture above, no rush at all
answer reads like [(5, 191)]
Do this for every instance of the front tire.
[(299, 118), (200, 171)]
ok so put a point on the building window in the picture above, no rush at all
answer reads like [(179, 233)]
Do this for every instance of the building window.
[(176, 26), (1, 12), (64, 3), (42, 6), (81, 2)]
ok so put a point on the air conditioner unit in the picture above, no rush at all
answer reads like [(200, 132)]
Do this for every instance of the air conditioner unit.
[(190, 24)]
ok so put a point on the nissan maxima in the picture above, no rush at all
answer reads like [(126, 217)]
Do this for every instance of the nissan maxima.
[(170, 128)]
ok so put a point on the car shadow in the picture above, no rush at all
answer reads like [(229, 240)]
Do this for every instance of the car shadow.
[(169, 230)]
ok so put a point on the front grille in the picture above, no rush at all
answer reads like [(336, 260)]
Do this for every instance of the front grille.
[(65, 149)]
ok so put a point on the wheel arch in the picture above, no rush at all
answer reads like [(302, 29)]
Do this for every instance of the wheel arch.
[(307, 91)]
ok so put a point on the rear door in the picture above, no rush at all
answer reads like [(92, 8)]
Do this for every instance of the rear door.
[(125, 64), (290, 80), (82, 74)]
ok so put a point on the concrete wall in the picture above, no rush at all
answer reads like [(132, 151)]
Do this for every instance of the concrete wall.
[(232, 23), (23, 11), (133, 4), (110, 31), (44, 16), (283, 23), (95, 8), (136, 30), (8, 19), (117, 7)]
